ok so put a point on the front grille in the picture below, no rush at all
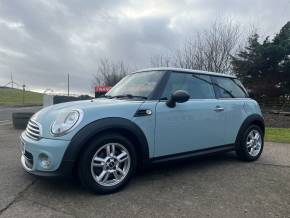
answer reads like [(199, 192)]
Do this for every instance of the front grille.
[(33, 130)]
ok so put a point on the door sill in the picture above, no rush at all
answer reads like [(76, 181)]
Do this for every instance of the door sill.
[(196, 153)]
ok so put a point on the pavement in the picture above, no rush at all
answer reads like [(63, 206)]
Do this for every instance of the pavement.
[(6, 112), (216, 186)]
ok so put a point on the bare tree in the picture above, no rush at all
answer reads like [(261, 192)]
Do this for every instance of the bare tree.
[(210, 49), (109, 72), (160, 61)]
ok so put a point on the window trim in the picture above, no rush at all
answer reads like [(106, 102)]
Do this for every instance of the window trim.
[(213, 81), (158, 90), (216, 90)]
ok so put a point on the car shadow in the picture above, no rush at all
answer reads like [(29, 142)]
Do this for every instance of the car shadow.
[(154, 172), (190, 164)]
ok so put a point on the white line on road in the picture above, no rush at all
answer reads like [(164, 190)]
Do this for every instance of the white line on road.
[(4, 121), (20, 108), (8, 122)]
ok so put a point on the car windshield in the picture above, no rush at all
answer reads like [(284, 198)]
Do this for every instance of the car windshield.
[(137, 85)]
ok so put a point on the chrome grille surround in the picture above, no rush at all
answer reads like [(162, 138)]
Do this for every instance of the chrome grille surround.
[(33, 130)]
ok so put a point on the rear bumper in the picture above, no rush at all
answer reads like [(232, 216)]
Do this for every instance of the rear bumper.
[(32, 151)]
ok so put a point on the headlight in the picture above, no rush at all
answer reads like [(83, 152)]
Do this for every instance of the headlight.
[(66, 121)]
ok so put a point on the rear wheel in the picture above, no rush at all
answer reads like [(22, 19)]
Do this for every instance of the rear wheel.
[(252, 144), (107, 164)]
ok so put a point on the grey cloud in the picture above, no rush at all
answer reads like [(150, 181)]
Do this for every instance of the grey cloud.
[(41, 41)]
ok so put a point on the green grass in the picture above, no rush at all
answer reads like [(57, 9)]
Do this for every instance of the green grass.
[(10, 96), (278, 135)]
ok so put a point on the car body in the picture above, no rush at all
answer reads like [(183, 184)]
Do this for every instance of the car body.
[(151, 115)]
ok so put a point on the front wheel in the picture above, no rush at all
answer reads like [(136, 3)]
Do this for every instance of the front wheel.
[(107, 164), (251, 145)]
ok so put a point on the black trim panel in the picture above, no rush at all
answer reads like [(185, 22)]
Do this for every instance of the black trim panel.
[(161, 86), (143, 112), (195, 153)]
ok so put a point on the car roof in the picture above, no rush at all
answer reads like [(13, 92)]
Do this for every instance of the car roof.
[(181, 70)]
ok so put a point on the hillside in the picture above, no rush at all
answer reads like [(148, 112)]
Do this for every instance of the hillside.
[(9, 96)]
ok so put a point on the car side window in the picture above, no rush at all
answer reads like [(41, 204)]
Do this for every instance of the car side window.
[(229, 88), (198, 86)]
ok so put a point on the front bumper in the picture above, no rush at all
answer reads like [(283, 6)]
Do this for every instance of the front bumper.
[(33, 150)]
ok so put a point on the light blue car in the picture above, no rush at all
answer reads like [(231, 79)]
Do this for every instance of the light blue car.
[(150, 116)]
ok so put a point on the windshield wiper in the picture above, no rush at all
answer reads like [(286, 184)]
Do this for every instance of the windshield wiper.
[(128, 96), (107, 96)]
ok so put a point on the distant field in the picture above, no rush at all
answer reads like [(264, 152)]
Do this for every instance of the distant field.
[(9, 96)]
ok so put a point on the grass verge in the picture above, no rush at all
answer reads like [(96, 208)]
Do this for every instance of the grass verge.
[(281, 135), (9, 96)]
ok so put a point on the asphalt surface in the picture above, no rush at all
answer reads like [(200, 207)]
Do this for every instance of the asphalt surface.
[(217, 186), (6, 112)]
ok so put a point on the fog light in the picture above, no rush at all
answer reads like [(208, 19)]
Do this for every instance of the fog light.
[(44, 161)]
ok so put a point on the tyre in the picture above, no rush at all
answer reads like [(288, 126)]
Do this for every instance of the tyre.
[(251, 144), (107, 164)]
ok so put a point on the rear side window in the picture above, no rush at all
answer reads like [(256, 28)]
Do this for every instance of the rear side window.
[(230, 88), (197, 86)]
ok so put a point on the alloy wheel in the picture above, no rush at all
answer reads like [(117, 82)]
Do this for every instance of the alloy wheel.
[(110, 164), (254, 142)]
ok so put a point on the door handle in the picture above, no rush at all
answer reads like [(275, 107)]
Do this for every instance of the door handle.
[(219, 109)]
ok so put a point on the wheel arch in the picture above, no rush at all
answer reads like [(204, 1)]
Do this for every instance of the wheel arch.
[(254, 119), (122, 126)]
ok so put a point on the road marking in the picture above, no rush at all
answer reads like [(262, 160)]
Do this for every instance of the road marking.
[(5, 122), (29, 109)]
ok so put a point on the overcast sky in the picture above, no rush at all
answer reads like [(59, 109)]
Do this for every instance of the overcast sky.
[(42, 40)]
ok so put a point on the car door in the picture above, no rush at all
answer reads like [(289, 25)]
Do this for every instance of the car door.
[(232, 96), (192, 125)]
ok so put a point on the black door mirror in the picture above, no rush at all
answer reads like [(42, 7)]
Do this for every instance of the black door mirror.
[(178, 96)]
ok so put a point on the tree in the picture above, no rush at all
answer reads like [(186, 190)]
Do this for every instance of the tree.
[(210, 49), (247, 62), (264, 67), (160, 61), (109, 72), (282, 40)]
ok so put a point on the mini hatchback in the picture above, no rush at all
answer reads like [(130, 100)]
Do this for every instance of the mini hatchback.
[(150, 116)]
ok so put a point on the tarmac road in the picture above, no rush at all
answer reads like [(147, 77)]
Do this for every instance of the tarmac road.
[(6, 113), (218, 186)]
